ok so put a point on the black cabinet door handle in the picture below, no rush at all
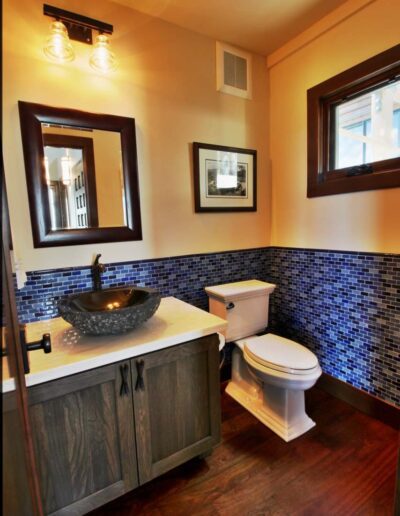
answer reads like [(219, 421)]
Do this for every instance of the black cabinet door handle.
[(44, 343), (139, 381), (124, 389)]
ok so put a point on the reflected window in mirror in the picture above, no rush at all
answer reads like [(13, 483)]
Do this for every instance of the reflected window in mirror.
[(81, 173), (69, 160)]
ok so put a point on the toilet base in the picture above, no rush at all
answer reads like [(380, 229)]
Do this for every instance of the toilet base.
[(280, 409), (274, 408)]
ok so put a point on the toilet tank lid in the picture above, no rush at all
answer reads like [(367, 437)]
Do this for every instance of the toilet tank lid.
[(240, 290)]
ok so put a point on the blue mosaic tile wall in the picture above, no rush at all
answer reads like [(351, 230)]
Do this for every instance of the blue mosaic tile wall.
[(183, 277), (343, 306), (346, 308)]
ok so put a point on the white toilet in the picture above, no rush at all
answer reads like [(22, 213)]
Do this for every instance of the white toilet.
[(269, 373)]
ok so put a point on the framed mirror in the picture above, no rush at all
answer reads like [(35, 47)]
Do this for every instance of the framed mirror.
[(82, 178)]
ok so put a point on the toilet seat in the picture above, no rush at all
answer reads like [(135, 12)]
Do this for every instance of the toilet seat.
[(279, 354)]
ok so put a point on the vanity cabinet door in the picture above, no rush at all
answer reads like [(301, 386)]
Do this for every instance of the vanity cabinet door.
[(177, 405), (84, 439)]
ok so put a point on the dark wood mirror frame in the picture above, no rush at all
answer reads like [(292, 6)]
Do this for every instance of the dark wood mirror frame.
[(31, 118)]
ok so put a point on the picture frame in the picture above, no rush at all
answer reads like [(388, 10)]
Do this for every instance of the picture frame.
[(225, 178)]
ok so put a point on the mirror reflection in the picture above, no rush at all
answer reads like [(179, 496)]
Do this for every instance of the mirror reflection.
[(84, 177)]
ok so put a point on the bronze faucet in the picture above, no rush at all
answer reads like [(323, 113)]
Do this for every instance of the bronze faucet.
[(97, 270)]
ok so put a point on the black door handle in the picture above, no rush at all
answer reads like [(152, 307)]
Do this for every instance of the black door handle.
[(139, 381), (44, 343), (124, 389)]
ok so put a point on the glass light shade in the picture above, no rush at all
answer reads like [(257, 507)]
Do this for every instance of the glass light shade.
[(102, 58), (66, 170), (58, 47)]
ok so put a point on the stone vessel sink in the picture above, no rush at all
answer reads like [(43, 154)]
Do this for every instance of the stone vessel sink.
[(110, 311)]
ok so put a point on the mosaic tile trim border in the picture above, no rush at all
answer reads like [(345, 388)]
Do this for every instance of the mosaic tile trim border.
[(183, 277), (346, 308)]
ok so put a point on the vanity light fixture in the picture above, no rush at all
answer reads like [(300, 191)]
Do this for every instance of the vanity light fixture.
[(102, 58), (71, 26), (58, 46)]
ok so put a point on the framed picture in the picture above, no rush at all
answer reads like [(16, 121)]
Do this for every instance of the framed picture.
[(225, 178)]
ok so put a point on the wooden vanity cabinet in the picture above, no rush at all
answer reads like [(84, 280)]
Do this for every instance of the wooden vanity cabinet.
[(101, 433), (84, 438), (176, 404)]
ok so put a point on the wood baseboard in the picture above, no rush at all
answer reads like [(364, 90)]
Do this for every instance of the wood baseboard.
[(361, 400)]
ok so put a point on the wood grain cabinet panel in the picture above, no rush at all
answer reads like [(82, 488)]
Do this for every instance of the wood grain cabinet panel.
[(16, 499), (177, 405), (100, 433), (84, 439)]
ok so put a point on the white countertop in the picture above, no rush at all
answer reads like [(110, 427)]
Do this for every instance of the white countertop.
[(174, 322)]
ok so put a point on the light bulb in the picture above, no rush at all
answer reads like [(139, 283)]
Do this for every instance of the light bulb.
[(102, 58), (58, 47)]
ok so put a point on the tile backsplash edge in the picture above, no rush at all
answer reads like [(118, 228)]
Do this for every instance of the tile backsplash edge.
[(345, 306)]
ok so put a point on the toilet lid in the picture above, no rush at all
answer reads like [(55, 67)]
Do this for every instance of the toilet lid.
[(281, 354), (240, 290)]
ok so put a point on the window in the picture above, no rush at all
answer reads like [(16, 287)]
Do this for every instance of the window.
[(396, 127), (354, 128)]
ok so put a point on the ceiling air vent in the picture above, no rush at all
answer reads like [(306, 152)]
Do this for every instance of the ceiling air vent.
[(233, 71)]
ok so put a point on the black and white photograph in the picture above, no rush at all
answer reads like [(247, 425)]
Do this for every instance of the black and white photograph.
[(226, 181), (224, 178)]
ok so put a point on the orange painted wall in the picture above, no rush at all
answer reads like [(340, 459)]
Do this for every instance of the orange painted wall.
[(166, 81), (365, 221)]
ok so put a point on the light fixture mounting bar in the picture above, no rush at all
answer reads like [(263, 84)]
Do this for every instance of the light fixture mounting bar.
[(73, 21)]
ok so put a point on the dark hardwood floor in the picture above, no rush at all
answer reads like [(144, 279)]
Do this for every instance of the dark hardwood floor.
[(346, 465)]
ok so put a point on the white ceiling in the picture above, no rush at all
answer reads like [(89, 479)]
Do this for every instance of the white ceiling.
[(261, 26)]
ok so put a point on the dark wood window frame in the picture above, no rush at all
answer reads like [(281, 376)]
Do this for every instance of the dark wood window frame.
[(321, 101)]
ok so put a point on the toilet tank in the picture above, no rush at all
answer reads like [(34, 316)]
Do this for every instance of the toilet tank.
[(243, 304)]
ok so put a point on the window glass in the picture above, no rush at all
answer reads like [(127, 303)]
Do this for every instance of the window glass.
[(396, 127), (367, 128), (350, 149)]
